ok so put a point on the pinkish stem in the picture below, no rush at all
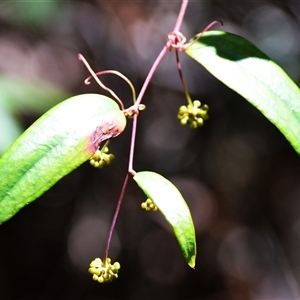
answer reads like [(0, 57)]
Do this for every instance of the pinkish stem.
[(134, 123), (147, 81), (113, 223)]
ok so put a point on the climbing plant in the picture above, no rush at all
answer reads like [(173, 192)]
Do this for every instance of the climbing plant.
[(80, 129)]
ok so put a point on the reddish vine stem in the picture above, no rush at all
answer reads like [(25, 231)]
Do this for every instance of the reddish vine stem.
[(147, 81), (137, 103), (134, 123), (113, 223), (181, 15)]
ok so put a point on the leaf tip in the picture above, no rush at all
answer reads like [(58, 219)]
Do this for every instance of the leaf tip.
[(192, 262)]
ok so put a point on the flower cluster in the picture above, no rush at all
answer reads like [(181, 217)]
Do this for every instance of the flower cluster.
[(104, 271), (193, 114), (101, 158), (149, 205)]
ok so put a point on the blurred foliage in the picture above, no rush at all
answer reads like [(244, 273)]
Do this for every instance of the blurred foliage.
[(238, 174), (17, 95), (30, 13), (11, 129)]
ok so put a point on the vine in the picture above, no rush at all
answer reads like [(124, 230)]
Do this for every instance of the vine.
[(71, 133)]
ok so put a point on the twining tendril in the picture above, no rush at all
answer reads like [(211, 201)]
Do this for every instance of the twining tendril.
[(199, 35), (95, 76), (87, 81), (176, 40)]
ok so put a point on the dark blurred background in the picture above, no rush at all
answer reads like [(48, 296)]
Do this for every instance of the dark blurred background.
[(239, 175)]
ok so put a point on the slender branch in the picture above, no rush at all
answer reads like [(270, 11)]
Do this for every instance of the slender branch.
[(113, 223), (161, 54), (134, 123), (147, 81), (137, 103), (150, 75), (181, 15), (132, 144)]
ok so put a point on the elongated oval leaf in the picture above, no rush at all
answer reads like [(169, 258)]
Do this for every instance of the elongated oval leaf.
[(58, 142), (248, 71), (172, 205)]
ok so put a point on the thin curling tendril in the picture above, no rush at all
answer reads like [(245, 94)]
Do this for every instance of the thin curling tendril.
[(95, 76), (176, 40), (87, 80), (199, 35)]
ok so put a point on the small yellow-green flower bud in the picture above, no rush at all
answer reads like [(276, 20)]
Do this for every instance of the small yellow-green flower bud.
[(197, 103), (183, 121), (117, 266), (95, 277)]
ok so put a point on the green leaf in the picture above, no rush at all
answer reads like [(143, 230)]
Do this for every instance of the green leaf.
[(248, 71), (172, 205), (58, 142)]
